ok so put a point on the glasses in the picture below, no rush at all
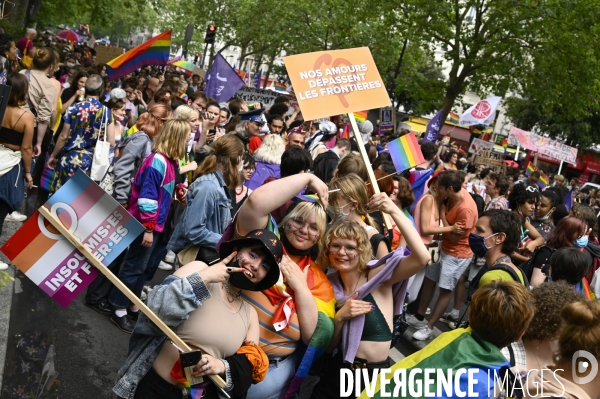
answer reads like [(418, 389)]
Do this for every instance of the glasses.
[(336, 248), (299, 224), (532, 189)]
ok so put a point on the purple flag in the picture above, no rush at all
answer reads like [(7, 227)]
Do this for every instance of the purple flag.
[(257, 79), (433, 128), (222, 80)]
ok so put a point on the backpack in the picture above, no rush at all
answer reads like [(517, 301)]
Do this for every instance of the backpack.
[(512, 272), (528, 266)]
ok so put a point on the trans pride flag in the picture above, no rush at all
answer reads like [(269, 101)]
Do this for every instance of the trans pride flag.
[(153, 52), (454, 350)]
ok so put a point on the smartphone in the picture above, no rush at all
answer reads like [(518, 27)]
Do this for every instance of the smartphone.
[(188, 361)]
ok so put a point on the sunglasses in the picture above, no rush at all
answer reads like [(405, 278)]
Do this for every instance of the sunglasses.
[(532, 189)]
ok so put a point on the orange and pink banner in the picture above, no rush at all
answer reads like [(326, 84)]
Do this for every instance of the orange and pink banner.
[(543, 145), (50, 260)]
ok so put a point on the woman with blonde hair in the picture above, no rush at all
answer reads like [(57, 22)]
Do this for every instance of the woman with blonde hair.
[(294, 314), (366, 304), (137, 147), (268, 160), (208, 205), (348, 200), (150, 203)]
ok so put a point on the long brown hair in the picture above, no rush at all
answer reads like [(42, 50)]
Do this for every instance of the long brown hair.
[(225, 155)]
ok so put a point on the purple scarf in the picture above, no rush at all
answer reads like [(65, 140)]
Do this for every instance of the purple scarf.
[(352, 330)]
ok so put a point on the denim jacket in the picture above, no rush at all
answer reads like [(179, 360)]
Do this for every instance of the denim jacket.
[(172, 301), (206, 216)]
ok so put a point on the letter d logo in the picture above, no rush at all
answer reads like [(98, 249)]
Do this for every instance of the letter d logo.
[(581, 366)]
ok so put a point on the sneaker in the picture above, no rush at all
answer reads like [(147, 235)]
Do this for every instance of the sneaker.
[(448, 318), (413, 321), (3, 266), (124, 323), (165, 266), (170, 257), (423, 334), (15, 217), (453, 325)]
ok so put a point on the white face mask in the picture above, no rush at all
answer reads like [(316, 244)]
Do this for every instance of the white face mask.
[(70, 64)]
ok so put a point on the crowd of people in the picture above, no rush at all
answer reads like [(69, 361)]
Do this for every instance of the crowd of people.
[(283, 259)]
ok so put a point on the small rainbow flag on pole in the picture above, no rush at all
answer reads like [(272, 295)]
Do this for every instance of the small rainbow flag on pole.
[(405, 152), (153, 52), (361, 116), (543, 181)]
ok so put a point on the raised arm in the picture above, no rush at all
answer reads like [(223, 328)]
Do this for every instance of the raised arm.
[(265, 199), (419, 256)]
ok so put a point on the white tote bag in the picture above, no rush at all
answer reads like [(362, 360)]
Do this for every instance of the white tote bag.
[(101, 160)]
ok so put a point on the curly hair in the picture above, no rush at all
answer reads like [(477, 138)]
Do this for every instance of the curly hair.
[(550, 298), (521, 194), (349, 231)]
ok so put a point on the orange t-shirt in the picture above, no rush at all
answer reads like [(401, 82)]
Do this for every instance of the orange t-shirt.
[(465, 213)]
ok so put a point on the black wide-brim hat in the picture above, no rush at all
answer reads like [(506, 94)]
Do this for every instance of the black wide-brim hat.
[(269, 241)]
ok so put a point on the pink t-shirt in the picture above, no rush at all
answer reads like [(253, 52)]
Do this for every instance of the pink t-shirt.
[(21, 46)]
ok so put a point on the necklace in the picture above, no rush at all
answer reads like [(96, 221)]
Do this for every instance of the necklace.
[(241, 191), (357, 281), (230, 293)]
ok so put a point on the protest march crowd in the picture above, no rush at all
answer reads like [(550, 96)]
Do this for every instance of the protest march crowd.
[(285, 261)]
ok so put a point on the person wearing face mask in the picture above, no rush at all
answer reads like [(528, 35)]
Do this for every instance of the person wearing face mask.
[(348, 200), (208, 202), (571, 232), (543, 221), (496, 236)]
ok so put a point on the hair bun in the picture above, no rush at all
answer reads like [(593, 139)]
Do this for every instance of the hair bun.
[(582, 314)]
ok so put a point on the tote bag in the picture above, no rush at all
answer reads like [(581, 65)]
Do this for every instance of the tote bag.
[(101, 160)]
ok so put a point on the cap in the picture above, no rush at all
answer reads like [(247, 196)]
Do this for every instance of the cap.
[(256, 115), (434, 177), (117, 94), (270, 242)]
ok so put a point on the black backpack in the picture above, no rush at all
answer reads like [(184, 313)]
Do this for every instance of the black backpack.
[(512, 272)]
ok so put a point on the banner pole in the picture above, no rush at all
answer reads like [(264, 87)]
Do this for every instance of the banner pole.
[(122, 287), (560, 167), (365, 157)]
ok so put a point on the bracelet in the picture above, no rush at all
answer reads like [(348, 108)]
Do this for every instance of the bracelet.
[(229, 381), (149, 230)]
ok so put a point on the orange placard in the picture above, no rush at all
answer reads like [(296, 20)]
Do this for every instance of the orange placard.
[(336, 82)]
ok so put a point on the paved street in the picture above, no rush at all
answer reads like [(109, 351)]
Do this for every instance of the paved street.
[(75, 352)]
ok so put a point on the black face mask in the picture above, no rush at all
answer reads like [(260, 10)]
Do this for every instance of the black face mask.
[(239, 279)]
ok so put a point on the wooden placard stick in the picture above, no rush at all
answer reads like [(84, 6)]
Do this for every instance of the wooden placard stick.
[(123, 288), (365, 156)]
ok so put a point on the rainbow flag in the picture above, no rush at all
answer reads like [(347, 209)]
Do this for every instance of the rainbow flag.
[(153, 52), (187, 65), (543, 182), (453, 118), (530, 169), (194, 392), (361, 116), (306, 198), (280, 85), (454, 350), (405, 152)]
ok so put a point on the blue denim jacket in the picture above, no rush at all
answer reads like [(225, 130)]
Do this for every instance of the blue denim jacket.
[(206, 216), (172, 301)]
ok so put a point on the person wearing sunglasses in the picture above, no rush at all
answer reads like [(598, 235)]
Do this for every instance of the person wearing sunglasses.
[(523, 200)]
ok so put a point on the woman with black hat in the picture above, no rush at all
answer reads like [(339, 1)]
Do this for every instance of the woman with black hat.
[(225, 328)]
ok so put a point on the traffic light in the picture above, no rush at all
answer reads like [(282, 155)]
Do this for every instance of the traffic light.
[(196, 58), (211, 31)]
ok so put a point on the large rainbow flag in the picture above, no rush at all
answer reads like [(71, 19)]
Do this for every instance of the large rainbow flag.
[(153, 52), (454, 350), (405, 152)]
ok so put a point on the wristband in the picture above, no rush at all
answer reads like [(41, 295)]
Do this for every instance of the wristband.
[(149, 230), (228, 380)]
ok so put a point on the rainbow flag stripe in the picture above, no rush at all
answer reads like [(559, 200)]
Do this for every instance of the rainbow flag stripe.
[(530, 169), (153, 52), (361, 116), (476, 355), (280, 86), (187, 65), (306, 198), (453, 118), (543, 182), (405, 152)]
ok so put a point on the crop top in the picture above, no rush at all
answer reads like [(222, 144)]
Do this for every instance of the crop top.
[(10, 135), (376, 327)]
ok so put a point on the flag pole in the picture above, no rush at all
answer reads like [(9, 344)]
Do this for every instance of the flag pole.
[(560, 167), (123, 288), (365, 157)]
